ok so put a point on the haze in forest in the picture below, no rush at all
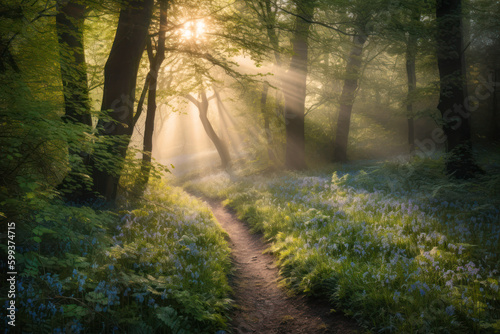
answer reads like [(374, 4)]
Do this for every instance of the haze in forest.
[(360, 139)]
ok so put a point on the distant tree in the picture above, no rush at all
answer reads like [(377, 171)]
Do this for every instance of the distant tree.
[(265, 116), (406, 28), (202, 106), (411, 74), (453, 100), (352, 73), (266, 13), (120, 75)]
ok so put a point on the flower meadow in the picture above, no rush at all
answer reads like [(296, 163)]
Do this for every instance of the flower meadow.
[(157, 266), (397, 246)]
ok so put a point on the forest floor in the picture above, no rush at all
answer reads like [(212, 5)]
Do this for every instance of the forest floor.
[(262, 306)]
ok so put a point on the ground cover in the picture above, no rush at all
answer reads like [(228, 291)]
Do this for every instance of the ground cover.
[(157, 265), (398, 246)]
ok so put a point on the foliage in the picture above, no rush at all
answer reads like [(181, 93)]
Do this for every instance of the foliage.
[(159, 265), (396, 245)]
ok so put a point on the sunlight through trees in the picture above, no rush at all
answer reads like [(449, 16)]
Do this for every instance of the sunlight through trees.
[(361, 138)]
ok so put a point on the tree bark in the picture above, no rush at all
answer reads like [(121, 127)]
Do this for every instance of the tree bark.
[(411, 51), (6, 59), (270, 22), (453, 105), (154, 69), (120, 76), (219, 144), (294, 91), (352, 72), (496, 114), (267, 129), (70, 19)]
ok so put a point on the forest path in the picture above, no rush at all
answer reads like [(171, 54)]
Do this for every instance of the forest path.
[(261, 305)]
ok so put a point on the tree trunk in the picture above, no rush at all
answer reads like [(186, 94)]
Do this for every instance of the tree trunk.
[(219, 144), (294, 91), (154, 69), (496, 114), (6, 59), (352, 72), (120, 76), (411, 51), (267, 129), (453, 105), (70, 19), (69, 23), (269, 19)]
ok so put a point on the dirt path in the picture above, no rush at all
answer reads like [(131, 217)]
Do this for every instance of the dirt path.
[(262, 306)]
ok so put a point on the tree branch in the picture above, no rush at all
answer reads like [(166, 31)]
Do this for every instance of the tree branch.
[(316, 22), (193, 100), (141, 100)]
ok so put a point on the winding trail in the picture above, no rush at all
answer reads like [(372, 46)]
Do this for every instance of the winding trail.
[(261, 305)]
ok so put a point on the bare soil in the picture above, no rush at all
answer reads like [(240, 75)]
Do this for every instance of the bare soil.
[(261, 305)]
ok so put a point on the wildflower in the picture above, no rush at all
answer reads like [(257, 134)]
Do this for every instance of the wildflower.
[(140, 297)]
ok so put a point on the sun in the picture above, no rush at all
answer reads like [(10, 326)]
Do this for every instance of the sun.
[(193, 30)]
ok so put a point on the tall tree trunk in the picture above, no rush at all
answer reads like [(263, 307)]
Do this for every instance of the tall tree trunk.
[(70, 19), (267, 129), (411, 51), (294, 91), (269, 19), (453, 104), (154, 69), (120, 76), (219, 144), (496, 114), (352, 72)]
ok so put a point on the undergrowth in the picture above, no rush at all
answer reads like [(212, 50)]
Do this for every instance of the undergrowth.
[(397, 245), (158, 266)]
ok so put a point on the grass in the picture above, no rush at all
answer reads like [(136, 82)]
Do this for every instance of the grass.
[(396, 245), (157, 266)]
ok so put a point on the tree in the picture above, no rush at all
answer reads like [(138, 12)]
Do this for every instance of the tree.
[(411, 74), (221, 147), (70, 19), (265, 116), (69, 23), (453, 101), (120, 75), (352, 73), (155, 62), (294, 88)]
